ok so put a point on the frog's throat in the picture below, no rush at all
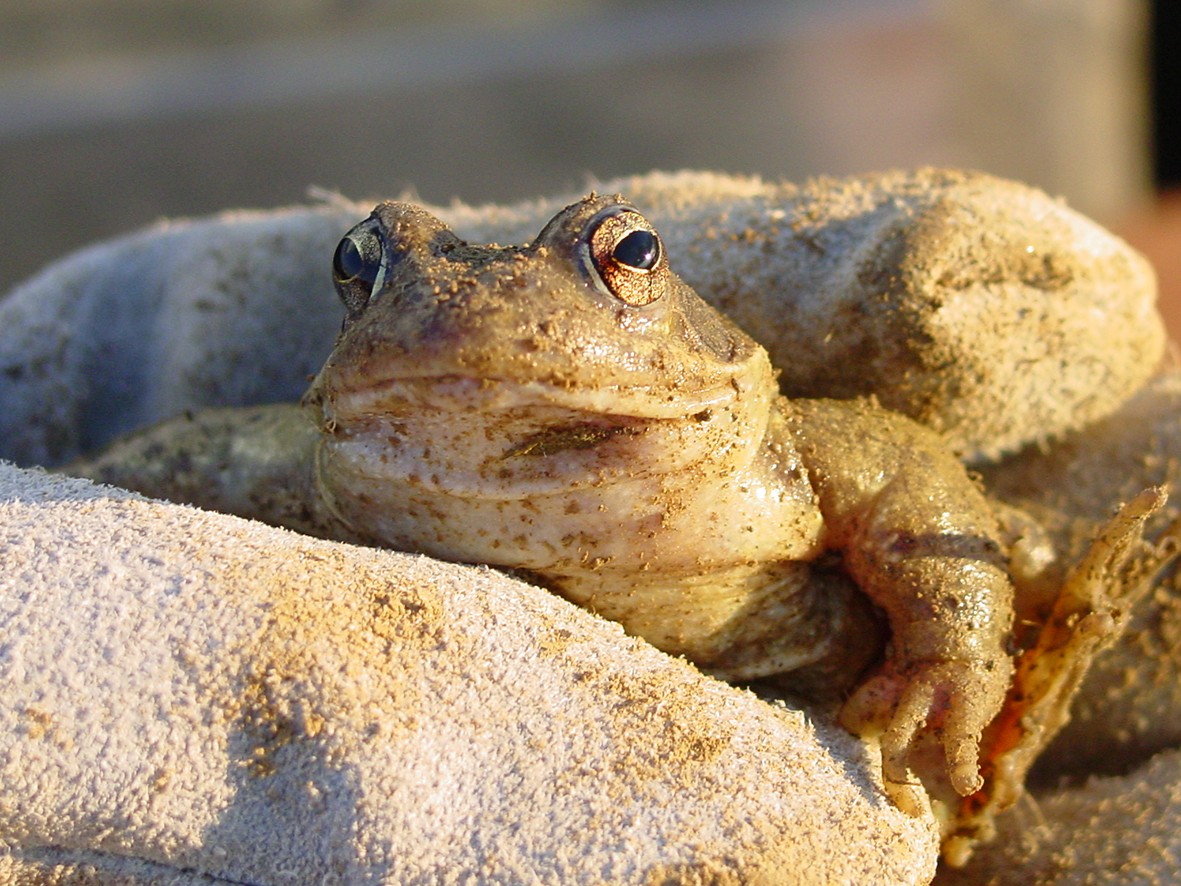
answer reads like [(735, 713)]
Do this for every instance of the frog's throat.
[(512, 455), (446, 440)]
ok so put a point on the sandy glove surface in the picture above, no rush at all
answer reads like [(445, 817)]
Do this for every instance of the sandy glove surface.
[(189, 698)]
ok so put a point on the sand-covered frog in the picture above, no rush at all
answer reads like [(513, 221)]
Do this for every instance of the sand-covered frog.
[(571, 410)]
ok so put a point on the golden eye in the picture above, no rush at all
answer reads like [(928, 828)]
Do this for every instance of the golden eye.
[(628, 257)]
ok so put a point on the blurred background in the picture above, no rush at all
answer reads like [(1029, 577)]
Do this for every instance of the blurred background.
[(114, 113)]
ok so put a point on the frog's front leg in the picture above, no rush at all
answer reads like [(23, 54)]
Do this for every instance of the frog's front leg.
[(256, 462), (921, 540)]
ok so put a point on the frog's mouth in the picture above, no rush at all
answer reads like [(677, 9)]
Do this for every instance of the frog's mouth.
[(465, 395), (494, 439)]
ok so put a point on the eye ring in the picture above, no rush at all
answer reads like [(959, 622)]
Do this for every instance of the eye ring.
[(627, 256)]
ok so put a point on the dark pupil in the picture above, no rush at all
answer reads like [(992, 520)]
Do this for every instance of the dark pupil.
[(639, 249), (350, 264)]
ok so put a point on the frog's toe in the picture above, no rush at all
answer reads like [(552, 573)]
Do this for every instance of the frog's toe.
[(888, 707), (950, 702), (961, 745), (969, 695), (870, 709)]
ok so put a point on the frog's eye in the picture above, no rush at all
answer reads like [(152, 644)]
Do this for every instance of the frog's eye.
[(628, 257), (639, 250), (357, 264)]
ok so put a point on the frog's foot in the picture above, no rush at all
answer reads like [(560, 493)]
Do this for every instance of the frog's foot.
[(1092, 610), (911, 706)]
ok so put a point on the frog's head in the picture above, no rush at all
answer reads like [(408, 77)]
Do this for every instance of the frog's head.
[(507, 370)]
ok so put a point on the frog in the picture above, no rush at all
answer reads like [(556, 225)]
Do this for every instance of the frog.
[(571, 411)]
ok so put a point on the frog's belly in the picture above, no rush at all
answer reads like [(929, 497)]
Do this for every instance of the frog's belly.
[(741, 624), (716, 571)]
